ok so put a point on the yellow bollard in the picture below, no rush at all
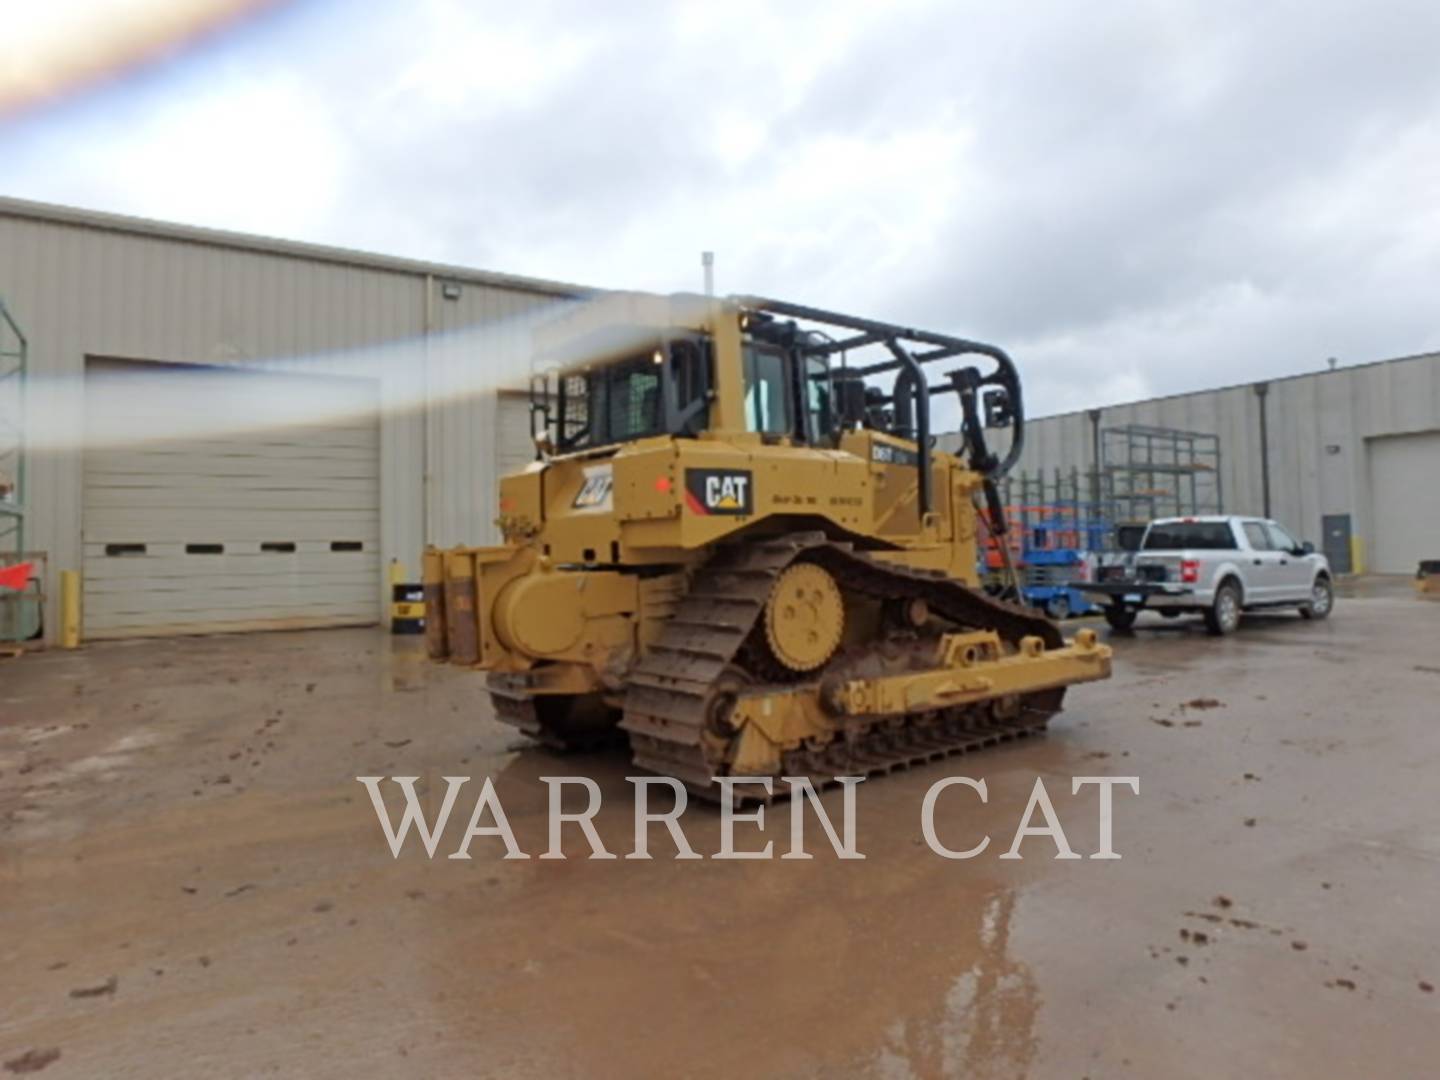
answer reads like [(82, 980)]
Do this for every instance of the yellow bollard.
[(407, 602), (70, 609), (1357, 555)]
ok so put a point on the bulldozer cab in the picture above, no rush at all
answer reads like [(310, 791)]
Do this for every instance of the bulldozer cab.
[(787, 394), (663, 391), (749, 369)]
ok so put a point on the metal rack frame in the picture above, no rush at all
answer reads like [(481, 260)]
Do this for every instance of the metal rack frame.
[(1153, 472), (14, 373), (1062, 519)]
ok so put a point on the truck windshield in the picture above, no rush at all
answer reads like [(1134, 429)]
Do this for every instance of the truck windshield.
[(1196, 535)]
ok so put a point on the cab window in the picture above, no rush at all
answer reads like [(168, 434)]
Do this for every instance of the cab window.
[(817, 399), (1255, 533), (690, 370), (1280, 539), (634, 402), (766, 402), (1193, 535), (615, 403)]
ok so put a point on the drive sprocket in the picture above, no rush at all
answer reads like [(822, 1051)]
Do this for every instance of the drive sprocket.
[(804, 617)]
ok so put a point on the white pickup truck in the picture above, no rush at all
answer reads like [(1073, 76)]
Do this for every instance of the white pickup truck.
[(1216, 566)]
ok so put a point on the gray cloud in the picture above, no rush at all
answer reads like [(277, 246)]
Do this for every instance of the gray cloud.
[(1134, 199)]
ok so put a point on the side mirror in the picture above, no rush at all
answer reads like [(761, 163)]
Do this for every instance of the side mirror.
[(1307, 548), (998, 411), (851, 404)]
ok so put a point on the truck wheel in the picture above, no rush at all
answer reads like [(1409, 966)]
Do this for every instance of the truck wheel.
[(1223, 616), (1058, 608), (1322, 600), (1119, 618)]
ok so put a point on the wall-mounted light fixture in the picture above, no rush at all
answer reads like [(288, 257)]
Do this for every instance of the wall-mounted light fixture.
[(450, 290), (1332, 448)]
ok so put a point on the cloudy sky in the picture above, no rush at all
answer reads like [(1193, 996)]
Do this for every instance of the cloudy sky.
[(1134, 199)]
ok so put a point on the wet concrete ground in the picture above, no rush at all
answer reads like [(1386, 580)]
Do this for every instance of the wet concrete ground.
[(194, 883)]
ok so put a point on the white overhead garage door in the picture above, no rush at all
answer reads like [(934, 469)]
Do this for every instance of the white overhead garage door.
[(239, 519), (1405, 500)]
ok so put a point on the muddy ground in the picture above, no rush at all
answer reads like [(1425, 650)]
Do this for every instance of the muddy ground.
[(193, 883)]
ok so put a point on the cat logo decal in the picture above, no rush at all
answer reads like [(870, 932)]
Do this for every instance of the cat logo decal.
[(719, 491), (595, 492)]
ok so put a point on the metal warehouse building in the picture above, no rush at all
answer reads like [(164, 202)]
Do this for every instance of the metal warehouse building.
[(1347, 457), (262, 516), (264, 521)]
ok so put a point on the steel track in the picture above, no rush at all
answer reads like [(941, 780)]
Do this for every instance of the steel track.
[(672, 698)]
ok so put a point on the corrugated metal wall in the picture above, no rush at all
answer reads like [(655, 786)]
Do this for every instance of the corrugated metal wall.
[(1319, 427), (100, 286), (481, 346)]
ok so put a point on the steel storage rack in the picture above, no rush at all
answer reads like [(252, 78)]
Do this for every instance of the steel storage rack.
[(19, 608)]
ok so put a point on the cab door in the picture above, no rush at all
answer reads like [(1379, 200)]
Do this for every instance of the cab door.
[(1263, 580), (1293, 569)]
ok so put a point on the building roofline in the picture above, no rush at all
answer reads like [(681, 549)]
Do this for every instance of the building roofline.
[(195, 234), (1239, 386)]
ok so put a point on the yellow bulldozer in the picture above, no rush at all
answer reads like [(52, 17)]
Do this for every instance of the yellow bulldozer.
[(740, 549)]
